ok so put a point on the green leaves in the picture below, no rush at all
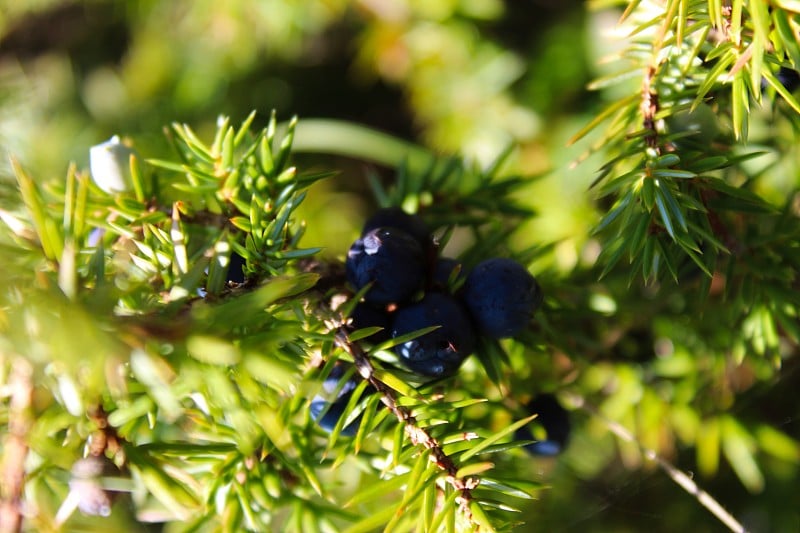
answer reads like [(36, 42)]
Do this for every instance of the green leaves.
[(728, 437), (127, 301), (672, 166), (212, 378), (49, 234), (246, 179), (423, 488), (198, 408)]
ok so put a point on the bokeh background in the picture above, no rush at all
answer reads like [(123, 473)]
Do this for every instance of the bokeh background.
[(457, 76), (468, 76)]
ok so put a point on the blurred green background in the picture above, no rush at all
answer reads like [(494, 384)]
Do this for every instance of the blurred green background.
[(464, 76), (469, 76)]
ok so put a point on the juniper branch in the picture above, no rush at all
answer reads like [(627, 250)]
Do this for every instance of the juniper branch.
[(105, 437), (418, 436), (15, 448), (678, 476), (649, 108)]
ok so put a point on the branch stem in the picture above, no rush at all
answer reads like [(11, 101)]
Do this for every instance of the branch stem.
[(12, 474), (678, 476), (418, 436)]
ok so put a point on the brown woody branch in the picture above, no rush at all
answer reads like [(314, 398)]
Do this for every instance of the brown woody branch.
[(680, 477), (12, 475), (418, 436), (649, 108), (105, 437)]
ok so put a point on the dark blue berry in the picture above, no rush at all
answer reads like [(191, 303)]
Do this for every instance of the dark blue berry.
[(694, 129), (391, 260), (443, 270), (553, 419), (335, 409), (501, 296), (395, 217), (366, 316), (332, 416), (236, 268), (789, 78), (440, 352)]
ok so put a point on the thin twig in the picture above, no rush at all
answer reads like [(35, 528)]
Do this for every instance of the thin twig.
[(12, 476), (649, 108), (105, 437), (678, 476), (418, 436)]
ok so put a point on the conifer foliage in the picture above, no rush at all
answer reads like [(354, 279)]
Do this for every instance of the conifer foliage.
[(171, 352), (202, 392)]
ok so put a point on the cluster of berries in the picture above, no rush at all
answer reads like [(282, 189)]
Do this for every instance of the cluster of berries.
[(409, 287)]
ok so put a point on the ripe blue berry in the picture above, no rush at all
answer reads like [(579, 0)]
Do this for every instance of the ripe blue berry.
[(391, 260), (789, 78), (695, 128), (366, 316), (554, 419), (443, 270), (438, 353), (236, 268), (501, 296), (395, 217), (336, 407)]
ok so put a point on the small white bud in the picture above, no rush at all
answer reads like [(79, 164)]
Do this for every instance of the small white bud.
[(109, 163)]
